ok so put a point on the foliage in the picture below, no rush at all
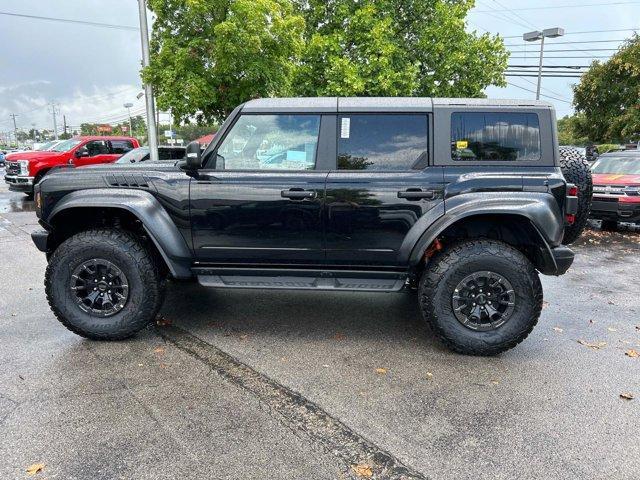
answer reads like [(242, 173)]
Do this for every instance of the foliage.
[(210, 55), (396, 47), (608, 96), (192, 131), (608, 147), (569, 129)]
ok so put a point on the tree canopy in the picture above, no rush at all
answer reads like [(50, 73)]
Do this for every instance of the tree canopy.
[(210, 55), (608, 96)]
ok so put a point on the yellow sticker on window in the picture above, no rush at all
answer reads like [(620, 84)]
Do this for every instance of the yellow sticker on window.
[(462, 144)]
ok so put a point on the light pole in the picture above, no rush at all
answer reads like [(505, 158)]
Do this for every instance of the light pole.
[(152, 133), (534, 37), (128, 107)]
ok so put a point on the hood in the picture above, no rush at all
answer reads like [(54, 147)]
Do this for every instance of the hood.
[(14, 157), (616, 179)]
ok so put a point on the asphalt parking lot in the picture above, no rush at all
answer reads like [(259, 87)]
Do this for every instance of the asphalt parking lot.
[(249, 384)]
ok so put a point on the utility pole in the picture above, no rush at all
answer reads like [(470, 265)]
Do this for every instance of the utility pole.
[(146, 60), (33, 129), (15, 128), (55, 124), (64, 120)]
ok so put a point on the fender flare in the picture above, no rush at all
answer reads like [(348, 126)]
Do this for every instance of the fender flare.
[(144, 206), (539, 209)]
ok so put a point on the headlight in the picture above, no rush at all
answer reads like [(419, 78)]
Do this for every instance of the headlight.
[(24, 167)]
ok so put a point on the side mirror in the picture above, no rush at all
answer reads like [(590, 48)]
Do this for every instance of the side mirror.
[(193, 156)]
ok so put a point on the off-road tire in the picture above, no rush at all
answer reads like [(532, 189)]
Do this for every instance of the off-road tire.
[(132, 257), (576, 170), (449, 267)]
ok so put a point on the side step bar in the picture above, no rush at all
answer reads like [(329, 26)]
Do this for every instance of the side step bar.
[(351, 281)]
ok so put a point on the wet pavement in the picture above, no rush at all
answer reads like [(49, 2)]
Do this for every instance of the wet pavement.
[(249, 384)]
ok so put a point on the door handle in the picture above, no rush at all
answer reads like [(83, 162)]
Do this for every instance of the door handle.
[(298, 194), (417, 194)]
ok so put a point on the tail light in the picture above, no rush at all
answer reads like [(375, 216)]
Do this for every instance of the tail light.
[(572, 204), (572, 191), (570, 218)]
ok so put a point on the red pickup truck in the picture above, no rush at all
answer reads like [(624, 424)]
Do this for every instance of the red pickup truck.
[(25, 169)]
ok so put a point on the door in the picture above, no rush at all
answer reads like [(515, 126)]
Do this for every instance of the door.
[(382, 187), (260, 201), (92, 152)]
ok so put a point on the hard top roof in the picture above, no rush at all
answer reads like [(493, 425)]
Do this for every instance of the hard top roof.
[(376, 104)]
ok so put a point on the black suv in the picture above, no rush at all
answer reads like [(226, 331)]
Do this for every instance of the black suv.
[(460, 200)]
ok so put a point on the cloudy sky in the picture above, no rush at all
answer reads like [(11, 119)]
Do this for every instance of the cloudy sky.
[(90, 71)]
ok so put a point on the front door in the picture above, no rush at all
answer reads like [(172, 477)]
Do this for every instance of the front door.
[(93, 152), (382, 187), (260, 199)]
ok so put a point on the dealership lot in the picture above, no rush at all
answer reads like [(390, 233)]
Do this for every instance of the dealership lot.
[(235, 384)]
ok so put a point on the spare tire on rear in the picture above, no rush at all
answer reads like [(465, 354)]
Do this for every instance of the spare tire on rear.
[(575, 169)]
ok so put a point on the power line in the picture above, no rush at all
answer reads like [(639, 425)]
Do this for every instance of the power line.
[(533, 91), (555, 7), (571, 50), (69, 20), (566, 43), (586, 31)]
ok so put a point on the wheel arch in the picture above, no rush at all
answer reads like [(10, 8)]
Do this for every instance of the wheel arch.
[(129, 209)]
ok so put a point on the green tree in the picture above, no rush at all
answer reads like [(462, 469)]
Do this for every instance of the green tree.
[(192, 131), (396, 47), (210, 55), (608, 96), (569, 130)]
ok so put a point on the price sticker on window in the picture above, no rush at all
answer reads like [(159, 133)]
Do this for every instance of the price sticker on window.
[(462, 144), (345, 128)]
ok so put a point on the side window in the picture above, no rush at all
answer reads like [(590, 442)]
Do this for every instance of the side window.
[(268, 142), (96, 147), (382, 142), (478, 136), (121, 146)]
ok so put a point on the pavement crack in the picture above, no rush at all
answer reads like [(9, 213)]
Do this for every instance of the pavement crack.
[(299, 414)]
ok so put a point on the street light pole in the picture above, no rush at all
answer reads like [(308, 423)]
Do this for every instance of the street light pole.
[(15, 128), (146, 59), (534, 37), (128, 106)]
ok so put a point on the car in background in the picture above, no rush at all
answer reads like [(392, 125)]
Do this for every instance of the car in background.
[(26, 169), (616, 188), (2, 155), (142, 154)]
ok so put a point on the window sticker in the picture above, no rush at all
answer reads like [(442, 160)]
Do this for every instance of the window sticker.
[(345, 128), (462, 144)]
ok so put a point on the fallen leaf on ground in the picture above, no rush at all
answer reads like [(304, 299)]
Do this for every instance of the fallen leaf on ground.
[(558, 329), (495, 382), (162, 321), (339, 336), (595, 345), (611, 329), (429, 375), (158, 350), (632, 353), (35, 468), (244, 336), (627, 396), (363, 470), (381, 371)]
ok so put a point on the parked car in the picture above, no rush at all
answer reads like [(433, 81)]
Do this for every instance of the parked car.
[(26, 169), (142, 154), (616, 188), (460, 200), (2, 156)]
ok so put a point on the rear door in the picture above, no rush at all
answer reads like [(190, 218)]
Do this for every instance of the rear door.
[(117, 148), (382, 187), (93, 152), (260, 199)]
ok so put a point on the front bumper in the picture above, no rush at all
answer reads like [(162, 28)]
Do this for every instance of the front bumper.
[(612, 209), (18, 183)]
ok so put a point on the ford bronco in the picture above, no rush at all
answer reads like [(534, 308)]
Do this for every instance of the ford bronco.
[(460, 200)]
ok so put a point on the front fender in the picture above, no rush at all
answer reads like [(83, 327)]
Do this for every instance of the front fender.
[(540, 209), (155, 220)]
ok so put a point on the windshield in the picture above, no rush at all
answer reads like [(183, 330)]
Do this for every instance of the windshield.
[(44, 146), (619, 165), (65, 146), (135, 155)]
